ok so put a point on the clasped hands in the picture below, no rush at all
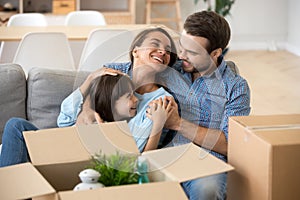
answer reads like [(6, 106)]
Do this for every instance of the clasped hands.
[(164, 113)]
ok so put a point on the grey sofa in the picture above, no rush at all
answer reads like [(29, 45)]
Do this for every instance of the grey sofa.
[(36, 98)]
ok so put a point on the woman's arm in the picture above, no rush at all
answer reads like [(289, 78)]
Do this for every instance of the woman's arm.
[(87, 115), (69, 109), (75, 109)]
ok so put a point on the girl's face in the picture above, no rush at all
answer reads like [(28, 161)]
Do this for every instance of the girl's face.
[(125, 106), (155, 49)]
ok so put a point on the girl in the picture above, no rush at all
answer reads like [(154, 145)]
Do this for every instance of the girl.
[(112, 99)]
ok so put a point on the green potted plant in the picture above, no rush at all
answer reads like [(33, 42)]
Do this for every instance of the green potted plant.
[(116, 169), (222, 7)]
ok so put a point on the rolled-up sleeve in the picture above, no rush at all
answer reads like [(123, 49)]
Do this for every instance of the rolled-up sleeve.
[(238, 105)]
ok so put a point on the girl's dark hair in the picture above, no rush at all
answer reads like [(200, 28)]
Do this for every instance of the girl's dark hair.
[(139, 39), (210, 25), (105, 91)]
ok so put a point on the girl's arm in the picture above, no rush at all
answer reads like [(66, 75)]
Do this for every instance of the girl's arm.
[(158, 113)]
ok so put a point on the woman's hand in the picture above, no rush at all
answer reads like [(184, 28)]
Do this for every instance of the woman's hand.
[(99, 72), (104, 71)]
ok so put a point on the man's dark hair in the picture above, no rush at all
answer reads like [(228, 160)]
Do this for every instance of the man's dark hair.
[(210, 25)]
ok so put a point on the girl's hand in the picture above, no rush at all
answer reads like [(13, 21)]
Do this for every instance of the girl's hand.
[(159, 110), (174, 120), (87, 115)]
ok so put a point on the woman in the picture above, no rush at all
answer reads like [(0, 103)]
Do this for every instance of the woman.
[(151, 52), (153, 45)]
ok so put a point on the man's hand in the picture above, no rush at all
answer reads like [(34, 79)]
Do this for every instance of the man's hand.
[(174, 120)]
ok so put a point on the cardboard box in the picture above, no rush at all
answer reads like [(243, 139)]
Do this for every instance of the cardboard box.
[(60, 154), (15, 182), (265, 152)]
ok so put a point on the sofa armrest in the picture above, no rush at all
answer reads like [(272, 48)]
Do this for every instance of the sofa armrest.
[(12, 93)]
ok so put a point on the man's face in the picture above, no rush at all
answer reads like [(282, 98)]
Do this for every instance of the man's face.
[(194, 54)]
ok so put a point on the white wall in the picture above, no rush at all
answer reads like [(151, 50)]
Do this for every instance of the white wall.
[(259, 24), (256, 24), (293, 36)]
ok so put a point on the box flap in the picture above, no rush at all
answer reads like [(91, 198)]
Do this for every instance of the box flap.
[(22, 181), (268, 121), (57, 145), (273, 129), (149, 191), (78, 143), (63, 176), (107, 138), (186, 162), (280, 136)]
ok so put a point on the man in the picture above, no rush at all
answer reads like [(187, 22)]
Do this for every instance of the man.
[(209, 92)]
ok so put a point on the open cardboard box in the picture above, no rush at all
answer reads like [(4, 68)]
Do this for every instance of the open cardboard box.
[(265, 152), (59, 155)]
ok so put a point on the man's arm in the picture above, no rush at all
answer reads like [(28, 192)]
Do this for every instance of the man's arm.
[(212, 139)]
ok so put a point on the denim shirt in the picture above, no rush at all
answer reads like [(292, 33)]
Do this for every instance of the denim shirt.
[(209, 100)]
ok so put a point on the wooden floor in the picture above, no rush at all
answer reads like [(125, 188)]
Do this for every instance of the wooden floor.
[(274, 80)]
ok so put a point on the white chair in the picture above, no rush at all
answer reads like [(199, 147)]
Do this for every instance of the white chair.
[(8, 49), (105, 46), (85, 18), (46, 50), (82, 18), (27, 19)]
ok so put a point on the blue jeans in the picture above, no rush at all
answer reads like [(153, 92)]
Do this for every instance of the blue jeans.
[(14, 150), (207, 188)]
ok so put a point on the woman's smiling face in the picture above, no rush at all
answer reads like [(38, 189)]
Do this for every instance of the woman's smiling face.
[(155, 49)]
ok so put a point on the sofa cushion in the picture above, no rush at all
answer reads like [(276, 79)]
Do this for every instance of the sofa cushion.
[(12, 93), (47, 88)]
